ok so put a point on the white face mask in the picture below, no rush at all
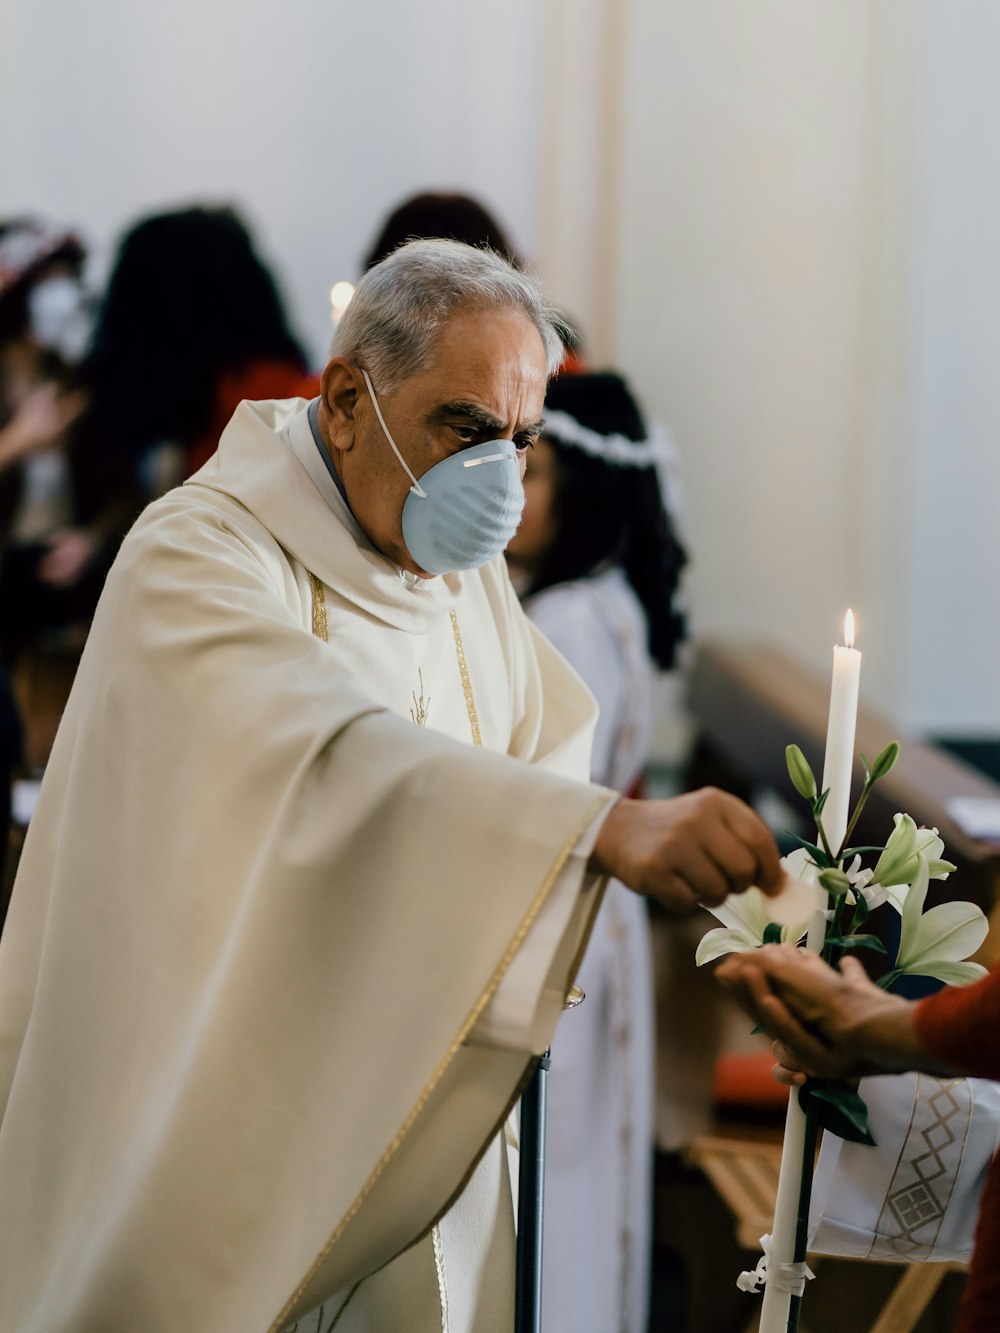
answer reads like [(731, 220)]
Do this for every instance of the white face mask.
[(58, 315), (464, 510)]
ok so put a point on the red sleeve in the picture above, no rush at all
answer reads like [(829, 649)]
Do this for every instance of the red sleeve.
[(961, 1025)]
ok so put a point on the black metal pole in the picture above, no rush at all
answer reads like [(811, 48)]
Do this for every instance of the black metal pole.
[(530, 1200)]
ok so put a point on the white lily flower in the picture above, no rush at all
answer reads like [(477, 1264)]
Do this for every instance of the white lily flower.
[(936, 943), (745, 918), (864, 883), (897, 866), (800, 865)]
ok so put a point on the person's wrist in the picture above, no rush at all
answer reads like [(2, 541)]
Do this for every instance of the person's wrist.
[(880, 1029), (604, 857)]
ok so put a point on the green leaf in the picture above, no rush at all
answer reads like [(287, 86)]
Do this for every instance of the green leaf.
[(820, 803), (850, 852), (772, 933), (837, 1108), (885, 761), (803, 779), (817, 853), (860, 910), (853, 941)]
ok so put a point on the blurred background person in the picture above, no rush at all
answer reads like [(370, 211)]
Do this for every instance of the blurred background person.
[(57, 532), (598, 564), (191, 323), (441, 215), (42, 331), (450, 215)]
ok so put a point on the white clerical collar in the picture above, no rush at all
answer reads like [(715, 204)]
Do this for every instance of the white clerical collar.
[(308, 448), (327, 481)]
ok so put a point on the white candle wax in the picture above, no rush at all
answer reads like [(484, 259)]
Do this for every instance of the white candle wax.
[(838, 765)]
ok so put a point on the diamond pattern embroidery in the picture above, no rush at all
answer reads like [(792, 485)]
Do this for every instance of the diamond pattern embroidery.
[(922, 1183)]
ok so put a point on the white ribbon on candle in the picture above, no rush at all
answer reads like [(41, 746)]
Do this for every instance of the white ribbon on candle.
[(788, 1278)]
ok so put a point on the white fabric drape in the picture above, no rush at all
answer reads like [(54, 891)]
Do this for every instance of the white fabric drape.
[(598, 1179)]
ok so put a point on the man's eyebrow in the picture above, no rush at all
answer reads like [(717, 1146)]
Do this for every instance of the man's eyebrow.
[(473, 413), (477, 415)]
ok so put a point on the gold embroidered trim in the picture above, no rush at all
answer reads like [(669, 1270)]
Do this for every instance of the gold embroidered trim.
[(442, 1284), (463, 671), (320, 625), (471, 1019)]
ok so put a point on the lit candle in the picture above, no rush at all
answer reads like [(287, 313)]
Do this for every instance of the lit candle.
[(838, 765)]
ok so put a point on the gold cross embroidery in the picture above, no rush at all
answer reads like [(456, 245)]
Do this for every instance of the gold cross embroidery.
[(421, 706)]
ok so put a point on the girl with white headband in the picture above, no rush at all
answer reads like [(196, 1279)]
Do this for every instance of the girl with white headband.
[(598, 564)]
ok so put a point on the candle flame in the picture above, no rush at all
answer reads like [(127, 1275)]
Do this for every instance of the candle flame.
[(849, 629)]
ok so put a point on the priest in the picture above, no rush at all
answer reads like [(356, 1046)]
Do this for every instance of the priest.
[(315, 859)]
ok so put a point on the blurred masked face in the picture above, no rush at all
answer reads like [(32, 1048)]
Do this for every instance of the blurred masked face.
[(58, 317), (539, 522)]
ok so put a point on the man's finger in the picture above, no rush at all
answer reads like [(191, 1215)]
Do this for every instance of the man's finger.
[(808, 1050), (734, 859), (707, 882), (757, 837)]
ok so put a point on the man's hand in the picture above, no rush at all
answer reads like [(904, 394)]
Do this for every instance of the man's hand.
[(694, 849), (832, 1024)]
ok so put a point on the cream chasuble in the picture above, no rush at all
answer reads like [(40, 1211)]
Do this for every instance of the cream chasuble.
[(290, 920)]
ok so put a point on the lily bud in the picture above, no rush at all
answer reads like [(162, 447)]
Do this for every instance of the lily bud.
[(835, 882), (800, 773), (885, 761)]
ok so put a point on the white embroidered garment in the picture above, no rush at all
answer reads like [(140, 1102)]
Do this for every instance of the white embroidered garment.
[(599, 1154), (915, 1195), (277, 955)]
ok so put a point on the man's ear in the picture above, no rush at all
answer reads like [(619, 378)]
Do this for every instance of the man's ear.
[(339, 402)]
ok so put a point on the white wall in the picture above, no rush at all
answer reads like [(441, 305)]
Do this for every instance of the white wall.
[(315, 116), (780, 217), (807, 288), (952, 594)]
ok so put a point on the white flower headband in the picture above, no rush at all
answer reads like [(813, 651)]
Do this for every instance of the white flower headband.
[(616, 449)]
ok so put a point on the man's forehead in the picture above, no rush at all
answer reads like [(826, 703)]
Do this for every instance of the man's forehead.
[(473, 345)]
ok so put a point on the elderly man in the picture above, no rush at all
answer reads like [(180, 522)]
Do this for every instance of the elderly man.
[(314, 862)]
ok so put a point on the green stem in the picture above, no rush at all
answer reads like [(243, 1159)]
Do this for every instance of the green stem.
[(890, 977), (802, 1217), (822, 837), (862, 800)]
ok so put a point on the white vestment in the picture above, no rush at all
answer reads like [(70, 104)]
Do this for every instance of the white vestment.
[(599, 1156), (282, 940)]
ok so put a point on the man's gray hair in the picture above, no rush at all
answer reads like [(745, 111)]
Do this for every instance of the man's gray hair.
[(400, 304)]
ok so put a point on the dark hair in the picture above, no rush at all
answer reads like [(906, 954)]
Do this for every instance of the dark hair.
[(440, 216), (187, 301), (607, 513)]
